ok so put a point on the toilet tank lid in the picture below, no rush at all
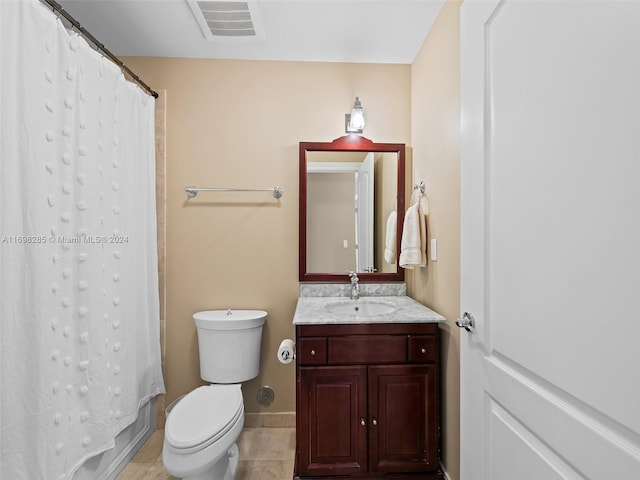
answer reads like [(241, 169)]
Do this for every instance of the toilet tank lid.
[(229, 319)]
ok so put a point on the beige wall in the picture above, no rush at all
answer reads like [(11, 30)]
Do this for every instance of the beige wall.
[(238, 124), (161, 217), (435, 127), (385, 185)]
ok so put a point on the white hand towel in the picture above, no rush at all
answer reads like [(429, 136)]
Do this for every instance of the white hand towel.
[(390, 239), (413, 251)]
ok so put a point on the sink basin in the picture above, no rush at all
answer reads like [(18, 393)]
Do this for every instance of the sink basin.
[(360, 307)]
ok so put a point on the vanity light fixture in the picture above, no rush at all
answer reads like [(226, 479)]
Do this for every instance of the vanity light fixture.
[(354, 121)]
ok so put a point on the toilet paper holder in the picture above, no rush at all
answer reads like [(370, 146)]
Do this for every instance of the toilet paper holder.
[(287, 351)]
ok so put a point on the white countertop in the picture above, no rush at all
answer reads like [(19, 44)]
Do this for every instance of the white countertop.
[(313, 311)]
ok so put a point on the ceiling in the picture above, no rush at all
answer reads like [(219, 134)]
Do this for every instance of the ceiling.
[(360, 31)]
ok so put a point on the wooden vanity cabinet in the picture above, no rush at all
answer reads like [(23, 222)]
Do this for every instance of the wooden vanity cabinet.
[(367, 401)]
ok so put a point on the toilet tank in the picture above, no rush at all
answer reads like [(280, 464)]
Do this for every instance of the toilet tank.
[(229, 343)]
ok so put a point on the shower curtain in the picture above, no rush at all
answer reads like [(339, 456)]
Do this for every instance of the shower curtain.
[(79, 321)]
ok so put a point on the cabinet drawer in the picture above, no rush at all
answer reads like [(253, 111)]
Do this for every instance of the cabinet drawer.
[(369, 349), (312, 350), (422, 348)]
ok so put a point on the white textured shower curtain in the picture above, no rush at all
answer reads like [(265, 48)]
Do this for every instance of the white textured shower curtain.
[(79, 324)]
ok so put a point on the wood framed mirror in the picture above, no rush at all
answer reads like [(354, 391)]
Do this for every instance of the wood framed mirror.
[(349, 189)]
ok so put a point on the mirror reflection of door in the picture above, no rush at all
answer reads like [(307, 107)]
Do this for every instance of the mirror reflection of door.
[(364, 215)]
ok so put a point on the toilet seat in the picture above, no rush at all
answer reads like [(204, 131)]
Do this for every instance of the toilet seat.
[(203, 416)]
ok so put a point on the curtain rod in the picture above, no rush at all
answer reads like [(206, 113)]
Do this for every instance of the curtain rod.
[(58, 8)]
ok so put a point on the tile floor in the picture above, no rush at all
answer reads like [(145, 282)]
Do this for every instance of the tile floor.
[(265, 454)]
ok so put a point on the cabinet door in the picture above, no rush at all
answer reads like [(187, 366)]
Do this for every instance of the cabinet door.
[(403, 423), (332, 426)]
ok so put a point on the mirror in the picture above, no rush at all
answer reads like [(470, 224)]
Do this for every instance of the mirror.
[(348, 191)]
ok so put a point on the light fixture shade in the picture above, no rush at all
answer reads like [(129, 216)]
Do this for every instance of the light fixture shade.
[(355, 120)]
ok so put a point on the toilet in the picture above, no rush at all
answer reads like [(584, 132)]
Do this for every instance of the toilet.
[(202, 428)]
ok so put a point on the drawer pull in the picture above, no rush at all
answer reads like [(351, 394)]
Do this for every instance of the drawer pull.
[(313, 352), (374, 421), (422, 349), (363, 422)]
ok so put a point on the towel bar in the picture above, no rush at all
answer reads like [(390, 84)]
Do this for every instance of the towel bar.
[(193, 191)]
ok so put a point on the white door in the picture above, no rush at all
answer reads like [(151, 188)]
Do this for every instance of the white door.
[(550, 240), (364, 214)]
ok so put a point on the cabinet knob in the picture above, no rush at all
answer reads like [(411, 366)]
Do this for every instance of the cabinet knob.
[(374, 421), (363, 422), (423, 350), (313, 352)]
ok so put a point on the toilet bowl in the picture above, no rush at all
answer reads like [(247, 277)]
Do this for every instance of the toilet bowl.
[(202, 428), (201, 431)]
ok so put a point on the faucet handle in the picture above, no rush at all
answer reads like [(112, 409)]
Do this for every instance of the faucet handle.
[(353, 276)]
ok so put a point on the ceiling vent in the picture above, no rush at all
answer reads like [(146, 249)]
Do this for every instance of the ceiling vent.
[(227, 20)]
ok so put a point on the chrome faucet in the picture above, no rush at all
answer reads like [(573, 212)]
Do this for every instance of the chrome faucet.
[(355, 287)]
